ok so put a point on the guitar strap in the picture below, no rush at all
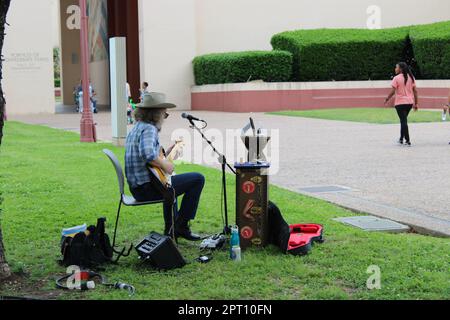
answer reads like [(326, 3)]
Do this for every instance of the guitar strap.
[(172, 230)]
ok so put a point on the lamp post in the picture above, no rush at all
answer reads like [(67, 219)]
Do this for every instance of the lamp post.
[(87, 126)]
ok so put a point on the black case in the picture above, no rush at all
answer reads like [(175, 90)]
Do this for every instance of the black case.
[(160, 252)]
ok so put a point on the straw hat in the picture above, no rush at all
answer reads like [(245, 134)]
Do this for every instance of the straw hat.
[(155, 100)]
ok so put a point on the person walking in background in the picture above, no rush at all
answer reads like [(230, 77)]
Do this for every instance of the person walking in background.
[(446, 109), (79, 95), (406, 98), (130, 104), (128, 91), (92, 95), (144, 90), (76, 95)]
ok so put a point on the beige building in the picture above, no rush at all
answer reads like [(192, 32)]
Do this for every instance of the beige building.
[(168, 35)]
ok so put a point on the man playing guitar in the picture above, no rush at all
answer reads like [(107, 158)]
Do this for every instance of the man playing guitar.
[(143, 150)]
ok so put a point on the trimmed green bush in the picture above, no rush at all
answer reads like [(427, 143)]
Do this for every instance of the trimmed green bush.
[(344, 54), (431, 45), (335, 55), (236, 67)]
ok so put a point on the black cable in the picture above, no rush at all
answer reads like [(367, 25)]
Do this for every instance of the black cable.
[(92, 275), (119, 286), (172, 230), (222, 207)]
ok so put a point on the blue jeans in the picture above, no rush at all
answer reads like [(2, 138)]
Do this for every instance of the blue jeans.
[(190, 185)]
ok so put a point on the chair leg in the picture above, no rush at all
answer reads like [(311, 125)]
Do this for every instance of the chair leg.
[(122, 253), (117, 223)]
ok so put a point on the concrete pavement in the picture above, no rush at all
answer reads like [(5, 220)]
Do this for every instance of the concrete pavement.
[(408, 185)]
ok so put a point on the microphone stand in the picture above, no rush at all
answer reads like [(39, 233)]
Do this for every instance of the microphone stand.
[(223, 161)]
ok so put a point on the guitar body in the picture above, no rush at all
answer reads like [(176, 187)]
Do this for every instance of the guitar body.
[(164, 178)]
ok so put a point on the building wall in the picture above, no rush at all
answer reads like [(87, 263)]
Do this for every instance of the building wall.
[(56, 27), (70, 58), (234, 25), (168, 45), (28, 50)]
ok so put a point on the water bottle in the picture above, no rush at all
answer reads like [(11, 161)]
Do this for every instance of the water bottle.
[(236, 254), (234, 242)]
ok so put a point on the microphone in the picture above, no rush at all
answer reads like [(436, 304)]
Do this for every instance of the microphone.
[(191, 118)]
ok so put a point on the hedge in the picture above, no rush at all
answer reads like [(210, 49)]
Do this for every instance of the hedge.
[(236, 67), (431, 45), (335, 55), (344, 54)]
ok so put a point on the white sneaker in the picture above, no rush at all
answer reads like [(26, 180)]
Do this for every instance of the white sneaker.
[(444, 116)]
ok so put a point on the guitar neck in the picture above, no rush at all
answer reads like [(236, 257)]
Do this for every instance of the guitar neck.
[(173, 153)]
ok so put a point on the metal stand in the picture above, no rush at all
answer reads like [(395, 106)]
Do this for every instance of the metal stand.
[(223, 161)]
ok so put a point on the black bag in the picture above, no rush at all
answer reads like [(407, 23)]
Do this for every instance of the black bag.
[(88, 251)]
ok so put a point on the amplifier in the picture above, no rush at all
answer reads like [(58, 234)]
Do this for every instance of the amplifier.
[(160, 252)]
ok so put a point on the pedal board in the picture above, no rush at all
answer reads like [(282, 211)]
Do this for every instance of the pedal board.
[(215, 242)]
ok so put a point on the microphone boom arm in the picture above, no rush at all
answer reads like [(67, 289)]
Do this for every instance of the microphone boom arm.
[(222, 158), (225, 164)]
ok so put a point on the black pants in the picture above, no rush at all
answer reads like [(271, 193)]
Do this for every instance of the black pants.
[(189, 184), (403, 113)]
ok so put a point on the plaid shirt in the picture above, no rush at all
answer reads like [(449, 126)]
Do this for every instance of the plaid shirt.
[(142, 147)]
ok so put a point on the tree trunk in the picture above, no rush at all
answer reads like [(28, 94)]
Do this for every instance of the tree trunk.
[(5, 271)]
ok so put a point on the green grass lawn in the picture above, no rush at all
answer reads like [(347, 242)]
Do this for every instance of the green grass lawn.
[(367, 115), (51, 181)]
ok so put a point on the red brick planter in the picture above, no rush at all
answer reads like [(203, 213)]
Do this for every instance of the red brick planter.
[(266, 97)]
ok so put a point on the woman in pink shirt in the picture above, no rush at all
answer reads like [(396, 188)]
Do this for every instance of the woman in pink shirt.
[(406, 98)]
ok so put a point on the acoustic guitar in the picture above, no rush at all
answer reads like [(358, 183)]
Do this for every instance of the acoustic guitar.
[(164, 177)]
